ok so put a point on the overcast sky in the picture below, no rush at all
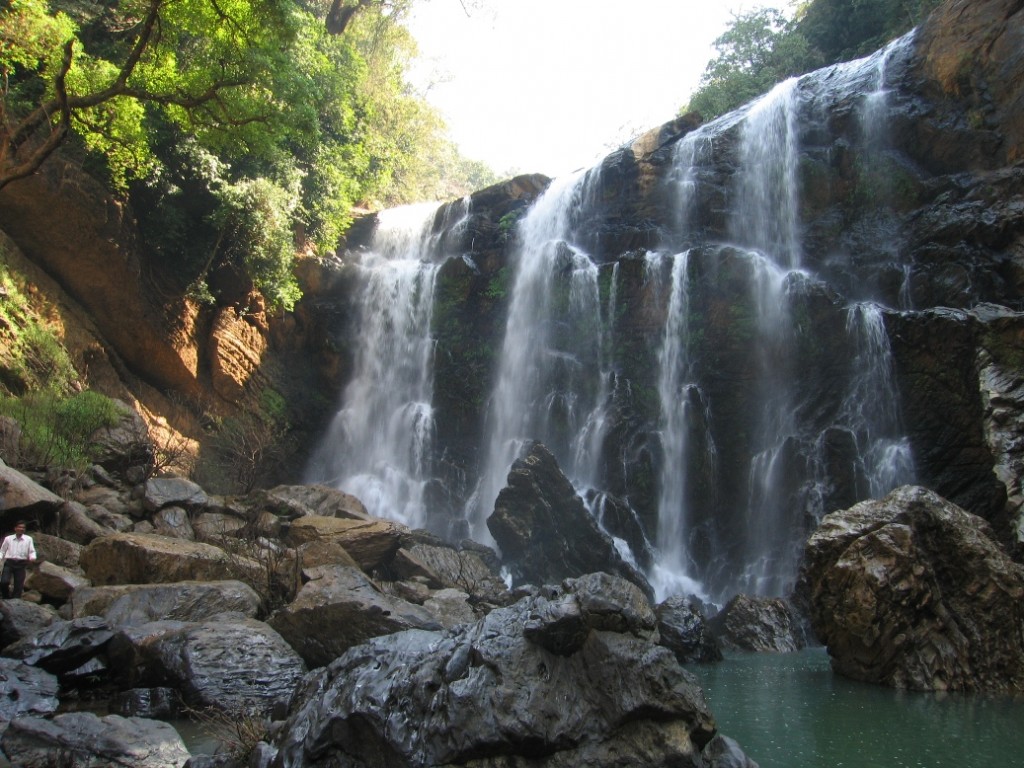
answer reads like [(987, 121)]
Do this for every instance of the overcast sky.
[(552, 85)]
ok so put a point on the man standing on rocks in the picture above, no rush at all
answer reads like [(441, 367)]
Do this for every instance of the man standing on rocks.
[(17, 551)]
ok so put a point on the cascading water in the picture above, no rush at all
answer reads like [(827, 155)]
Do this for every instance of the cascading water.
[(551, 384), (717, 394), (378, 446)]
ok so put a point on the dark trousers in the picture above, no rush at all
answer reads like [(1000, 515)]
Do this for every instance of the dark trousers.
[(13, 569)]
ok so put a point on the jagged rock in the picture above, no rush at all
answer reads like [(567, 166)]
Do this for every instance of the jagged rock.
[(84, 740), (26, 690), (21, 498), (544, 531), (184, 601), (685, 632), (763, 624), (235, 664), (235, 353), (135, 558), (371, 543), (20, 619), (160, 492), (63, 646), (339, 608), (53, 582), (615, 700), (911, 591), (174, 522), (292, 501), (723, 752)]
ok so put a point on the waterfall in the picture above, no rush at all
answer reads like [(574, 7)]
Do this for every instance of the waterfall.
[(871, 406), (551, 383), (378, 446)]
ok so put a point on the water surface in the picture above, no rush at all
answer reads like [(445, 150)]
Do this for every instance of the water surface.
[(791, 711)]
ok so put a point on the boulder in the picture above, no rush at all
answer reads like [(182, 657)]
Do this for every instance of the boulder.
[(75, 524), (137, 558), (160, 492), (339, 608), (912, 592), (194, 601), (84, 740), (292, 501), (59, 551), (173, 522), (63, 646), (760, 624), (20, 619), (235, 664), (22, 498), (26, 690), (545, 532), (450, 607), (615, 699), (210, 525), (444, 566), (320, 552), (371, 543), (684, 631), (53, 582)]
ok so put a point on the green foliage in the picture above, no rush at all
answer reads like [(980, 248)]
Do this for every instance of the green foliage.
[(763, 47), (845, 29), (235, 126), (56, 430), (760, 48)]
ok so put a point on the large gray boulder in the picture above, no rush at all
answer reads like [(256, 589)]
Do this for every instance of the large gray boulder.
[(236, 664), (911, 591), (64, 646), (20, 619), (545, 532), (128, 604), (84, 740), (339, 608), (489, 694), (23, 498), (371, 543), (685, 632), (293, 501)]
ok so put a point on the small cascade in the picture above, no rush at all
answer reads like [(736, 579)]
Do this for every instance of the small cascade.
[(551, 384), (378, 446), (871, 406), (766, 214), (679, 395)]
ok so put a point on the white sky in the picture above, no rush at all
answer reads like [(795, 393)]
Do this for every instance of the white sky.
[(549, 86)]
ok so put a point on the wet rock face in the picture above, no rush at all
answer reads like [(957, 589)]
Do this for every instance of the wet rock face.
[(604, 696), (545, 532), (911, 591), (763, 624)]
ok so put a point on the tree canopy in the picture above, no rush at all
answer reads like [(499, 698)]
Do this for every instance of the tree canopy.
[(232, 124)]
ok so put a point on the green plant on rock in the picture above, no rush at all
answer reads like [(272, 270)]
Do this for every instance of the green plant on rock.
[(57, 430)]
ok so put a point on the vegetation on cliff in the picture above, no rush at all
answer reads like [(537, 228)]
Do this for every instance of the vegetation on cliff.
[(234, 127), (763, 47)]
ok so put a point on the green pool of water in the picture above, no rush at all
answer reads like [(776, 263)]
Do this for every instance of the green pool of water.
[(791, 711)]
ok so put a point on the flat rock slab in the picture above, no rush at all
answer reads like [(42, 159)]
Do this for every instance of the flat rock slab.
[(128, 604)]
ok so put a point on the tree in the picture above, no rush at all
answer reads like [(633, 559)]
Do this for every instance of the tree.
[(203, 63), (760, 49), (845, 29)]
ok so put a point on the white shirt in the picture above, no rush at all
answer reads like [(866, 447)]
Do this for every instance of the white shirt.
[(15, 548)]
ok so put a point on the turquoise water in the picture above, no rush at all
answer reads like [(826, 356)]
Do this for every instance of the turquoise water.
[(791, 711)]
